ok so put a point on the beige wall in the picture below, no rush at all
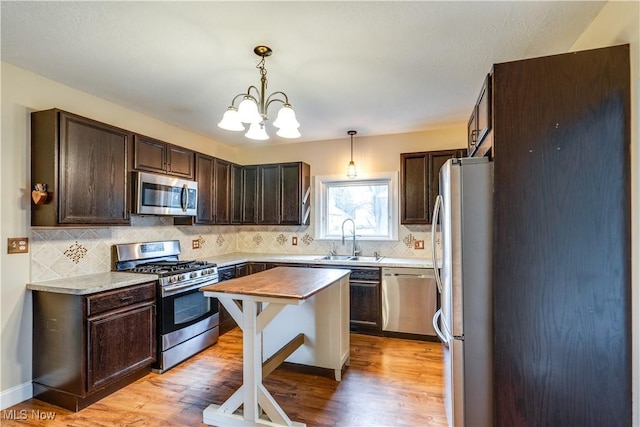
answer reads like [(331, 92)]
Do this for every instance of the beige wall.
[(371, 153), (619, 23)]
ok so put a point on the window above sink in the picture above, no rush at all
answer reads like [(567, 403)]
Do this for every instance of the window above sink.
[(370, 200)]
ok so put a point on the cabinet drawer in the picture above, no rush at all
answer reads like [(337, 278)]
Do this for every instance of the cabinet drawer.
[(112, 300)]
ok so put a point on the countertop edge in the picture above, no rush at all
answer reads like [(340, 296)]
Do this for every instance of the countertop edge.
[(243, 257), (91, 283)]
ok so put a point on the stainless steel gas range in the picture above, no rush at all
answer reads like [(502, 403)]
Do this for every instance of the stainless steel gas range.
[(187, 321)]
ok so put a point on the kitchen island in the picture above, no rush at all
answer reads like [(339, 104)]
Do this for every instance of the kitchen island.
[(300, 315)]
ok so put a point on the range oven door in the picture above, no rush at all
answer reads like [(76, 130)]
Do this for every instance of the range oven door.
[(183, 309)]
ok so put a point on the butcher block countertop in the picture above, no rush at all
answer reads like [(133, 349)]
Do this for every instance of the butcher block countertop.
[(280, 282)]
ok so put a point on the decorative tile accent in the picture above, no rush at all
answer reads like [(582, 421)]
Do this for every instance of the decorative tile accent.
[(281, 239), (257, 239), (220, 240), (76, 252), (307, 239), (408, 240)]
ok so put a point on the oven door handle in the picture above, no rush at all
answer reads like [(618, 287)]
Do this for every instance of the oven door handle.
[(173, 289)]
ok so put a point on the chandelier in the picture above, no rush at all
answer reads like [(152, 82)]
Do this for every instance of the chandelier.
[(252, 110)]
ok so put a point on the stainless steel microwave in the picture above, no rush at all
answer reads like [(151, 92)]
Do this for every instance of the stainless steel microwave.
[(155, 194)]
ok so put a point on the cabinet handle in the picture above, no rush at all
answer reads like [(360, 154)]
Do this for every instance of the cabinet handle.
[(126, 299)]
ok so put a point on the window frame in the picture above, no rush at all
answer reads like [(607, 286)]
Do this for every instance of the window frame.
[(322, 184)]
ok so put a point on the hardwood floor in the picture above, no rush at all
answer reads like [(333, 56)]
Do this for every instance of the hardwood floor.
[(390, 382)]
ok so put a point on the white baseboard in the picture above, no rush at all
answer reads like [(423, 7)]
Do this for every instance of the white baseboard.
[(15, 395)]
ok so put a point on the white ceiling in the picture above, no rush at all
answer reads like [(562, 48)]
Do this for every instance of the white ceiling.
[(378, 67)]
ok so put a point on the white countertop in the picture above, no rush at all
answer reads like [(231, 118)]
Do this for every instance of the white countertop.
[(91, 283), (99, 282), (240, 257)]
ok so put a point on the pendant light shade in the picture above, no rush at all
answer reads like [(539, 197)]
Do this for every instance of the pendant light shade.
[(248, 111), (231, 120), (286, 118), (288, 133), (351, 169), (256, 131)]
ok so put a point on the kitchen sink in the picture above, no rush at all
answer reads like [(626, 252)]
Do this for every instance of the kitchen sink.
[(337, 258), (349, 258)]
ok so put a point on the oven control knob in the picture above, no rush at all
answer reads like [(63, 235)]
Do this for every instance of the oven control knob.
[(182, 277), (194, 274)]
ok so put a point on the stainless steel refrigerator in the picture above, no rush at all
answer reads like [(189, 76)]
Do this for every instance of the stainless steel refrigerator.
[(463, 321)]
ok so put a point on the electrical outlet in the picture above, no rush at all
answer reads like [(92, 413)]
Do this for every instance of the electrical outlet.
[(294, 241), (17, 245), (418, 244), (195, 244)]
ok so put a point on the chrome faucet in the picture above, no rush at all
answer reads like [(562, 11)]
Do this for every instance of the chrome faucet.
[(355, 248)]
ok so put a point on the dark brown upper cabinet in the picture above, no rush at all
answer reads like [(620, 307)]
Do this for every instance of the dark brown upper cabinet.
[(479, 125), (249, 185), (284, 193), (215, 184), (84, 164), (157, 156), (419, 175), (236, 194)]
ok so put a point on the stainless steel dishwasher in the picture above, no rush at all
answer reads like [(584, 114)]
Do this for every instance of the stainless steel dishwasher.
[(409, 300)]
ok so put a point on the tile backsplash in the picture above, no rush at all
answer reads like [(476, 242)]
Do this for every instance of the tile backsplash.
[(66, 252)]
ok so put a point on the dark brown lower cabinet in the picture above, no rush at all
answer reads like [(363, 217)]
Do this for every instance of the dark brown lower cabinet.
[(88, 346), (562, 243), (227, 273), (365, 300)]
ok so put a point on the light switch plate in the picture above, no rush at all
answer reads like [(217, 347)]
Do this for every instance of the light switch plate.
[(17, 245), (294, 241), (418, 244), (195, 244)]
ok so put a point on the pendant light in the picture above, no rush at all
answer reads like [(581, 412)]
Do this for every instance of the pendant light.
[(351, 170)]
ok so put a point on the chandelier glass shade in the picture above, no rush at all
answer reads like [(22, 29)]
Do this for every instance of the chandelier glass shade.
[(252, 109)]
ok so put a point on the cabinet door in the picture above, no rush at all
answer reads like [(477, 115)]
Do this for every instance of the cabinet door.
[(414, 207), (221, 191), (484, 111), (290, 197), (269, 194), (242, 270), (256, 267), (110, 334), (365, 306), (250, 195), (204, 176), (472, 130), (180, 161), (436, 160), (93, 172), (149, 154), (235, 197)]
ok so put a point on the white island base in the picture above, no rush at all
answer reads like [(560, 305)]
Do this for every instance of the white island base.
[(299, 315)]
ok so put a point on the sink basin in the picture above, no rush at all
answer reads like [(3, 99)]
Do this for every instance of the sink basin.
[(348, 258), (337, 258)]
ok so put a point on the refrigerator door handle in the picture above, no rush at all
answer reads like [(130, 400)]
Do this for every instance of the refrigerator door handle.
[(442, 337), (434, 255)]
